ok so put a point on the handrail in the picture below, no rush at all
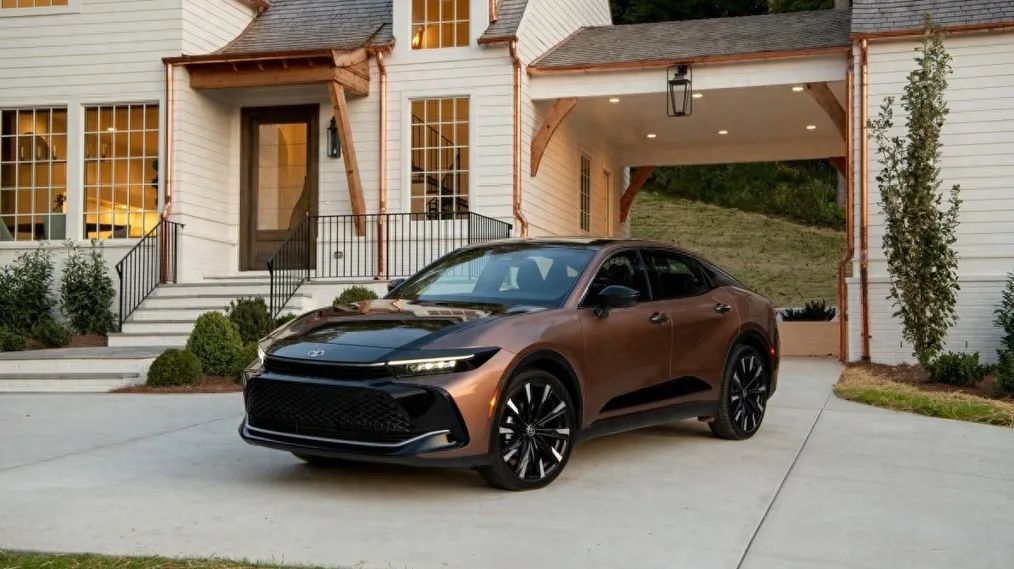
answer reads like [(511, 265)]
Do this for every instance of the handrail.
[(149, 263)]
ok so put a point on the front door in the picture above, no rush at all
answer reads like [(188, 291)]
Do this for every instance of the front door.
[(279, 185)]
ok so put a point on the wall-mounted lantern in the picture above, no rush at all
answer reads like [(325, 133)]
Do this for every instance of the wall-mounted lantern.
[(681, 90), (334, 142)]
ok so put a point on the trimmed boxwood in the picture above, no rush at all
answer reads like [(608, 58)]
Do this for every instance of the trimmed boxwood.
[(216, 342), (175, 367), (961, 370), (11, 341), (51, 334), (355, 294), (250, 315)]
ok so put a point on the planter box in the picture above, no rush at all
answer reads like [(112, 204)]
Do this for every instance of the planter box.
[(814, 339)]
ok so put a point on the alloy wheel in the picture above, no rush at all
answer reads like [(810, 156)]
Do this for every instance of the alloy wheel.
[(534, 431), (748, 393)]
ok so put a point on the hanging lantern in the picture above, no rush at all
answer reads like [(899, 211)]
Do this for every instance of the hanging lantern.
[(334, 146), (681, 90)]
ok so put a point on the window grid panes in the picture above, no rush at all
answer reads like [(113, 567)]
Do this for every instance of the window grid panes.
[(121, 170), (440, 157), (31, 3), (439, 23), (585, 193), (33, 174)]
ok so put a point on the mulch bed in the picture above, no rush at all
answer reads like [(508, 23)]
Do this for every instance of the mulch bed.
[(918, 377), (210, 384), (89, 341)]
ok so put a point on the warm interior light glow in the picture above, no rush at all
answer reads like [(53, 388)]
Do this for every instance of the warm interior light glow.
[(698, 95), (417, 37), (652, 135), (811, 127), (614, 100), (723, 132), (798, 89)]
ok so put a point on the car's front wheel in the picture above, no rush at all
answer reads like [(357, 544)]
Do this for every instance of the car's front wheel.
[(533, 432), (744, 397)]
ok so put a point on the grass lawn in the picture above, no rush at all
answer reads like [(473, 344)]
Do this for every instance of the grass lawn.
[(49, 561), (866, 384), (787, 262)]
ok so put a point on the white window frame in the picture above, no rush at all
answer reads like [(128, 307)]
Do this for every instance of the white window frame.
[(456, 22), (405, 205), (72, 7)]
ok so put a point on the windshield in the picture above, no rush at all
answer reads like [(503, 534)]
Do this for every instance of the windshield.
[(517, 274)]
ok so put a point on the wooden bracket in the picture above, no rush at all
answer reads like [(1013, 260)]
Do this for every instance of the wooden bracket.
[(561, 108), (637, 180), (840, 164), (822, 94), (341, 113)]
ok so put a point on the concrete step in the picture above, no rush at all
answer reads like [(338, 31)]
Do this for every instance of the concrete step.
[(248, 276), (184, 326), (75, 369), (214, 300), (232, 289), (67, 382), (190, 314), (149, 340)]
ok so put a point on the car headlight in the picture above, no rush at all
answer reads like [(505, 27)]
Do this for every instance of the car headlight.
[(439, 364)]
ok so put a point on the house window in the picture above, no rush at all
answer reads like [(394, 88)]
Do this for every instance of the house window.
[(439, 23), (5, 4), (440, 157), (121, 170), (585, 193), (33, 174)]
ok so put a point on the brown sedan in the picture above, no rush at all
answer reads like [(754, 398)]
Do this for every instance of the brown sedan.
[(502, 357)]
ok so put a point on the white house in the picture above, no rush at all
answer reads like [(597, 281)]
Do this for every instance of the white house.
[(214, 128)]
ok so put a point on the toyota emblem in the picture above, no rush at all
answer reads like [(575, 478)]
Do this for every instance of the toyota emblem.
[(316, 353)]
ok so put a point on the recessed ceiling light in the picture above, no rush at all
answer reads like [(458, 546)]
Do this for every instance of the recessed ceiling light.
[(811, 127), (111, 129), (723, 132), (652, 135), (798, 89), (614, 100), (698, 95)]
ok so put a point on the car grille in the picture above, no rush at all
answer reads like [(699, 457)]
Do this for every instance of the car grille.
[(325, 370), (323, 410)]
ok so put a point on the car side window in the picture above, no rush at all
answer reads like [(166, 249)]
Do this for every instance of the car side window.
[(624, 269), (674, 275)]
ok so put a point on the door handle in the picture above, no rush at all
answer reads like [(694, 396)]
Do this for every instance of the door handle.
[(722, 308), (658, 318)]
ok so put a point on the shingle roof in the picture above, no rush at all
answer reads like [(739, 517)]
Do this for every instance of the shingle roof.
[(873, 16), (690, 40), (305, 25), (508, 19)]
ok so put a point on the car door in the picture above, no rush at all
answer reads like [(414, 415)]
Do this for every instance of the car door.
[(703, 320), (627, 349)]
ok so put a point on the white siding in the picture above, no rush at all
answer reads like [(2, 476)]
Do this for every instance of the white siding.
[(978, 154), (208, 26)]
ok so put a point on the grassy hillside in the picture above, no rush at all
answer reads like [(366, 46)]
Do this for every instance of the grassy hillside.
[(789, 263)]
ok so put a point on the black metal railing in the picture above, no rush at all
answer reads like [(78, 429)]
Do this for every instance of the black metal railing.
[(150, 263), (373, 245)]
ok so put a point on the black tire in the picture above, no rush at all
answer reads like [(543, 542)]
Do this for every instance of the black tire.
[(532, 433), (320, 461), (743, 401)]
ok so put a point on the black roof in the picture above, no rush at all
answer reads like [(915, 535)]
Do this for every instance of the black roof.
[(876, 16)]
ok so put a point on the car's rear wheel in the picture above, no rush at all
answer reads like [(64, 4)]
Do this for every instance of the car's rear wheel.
[(320, 461), (533, 432), (744, 397)]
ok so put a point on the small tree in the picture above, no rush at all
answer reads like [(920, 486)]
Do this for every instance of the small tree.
[(87, 291), (920, 232)]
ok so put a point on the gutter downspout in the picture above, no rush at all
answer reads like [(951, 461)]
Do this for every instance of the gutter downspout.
[(518, 213), (864, 228), (170, 123), (382, 180), (843, 296)]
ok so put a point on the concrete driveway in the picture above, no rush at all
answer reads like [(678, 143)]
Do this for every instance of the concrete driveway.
[(826, 483)]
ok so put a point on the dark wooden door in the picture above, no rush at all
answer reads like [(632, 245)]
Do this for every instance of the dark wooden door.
[(279, 183)]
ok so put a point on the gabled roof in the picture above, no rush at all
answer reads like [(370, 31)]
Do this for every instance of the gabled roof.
[(883, 16), (306, 25), (508, 20), (697, 40)]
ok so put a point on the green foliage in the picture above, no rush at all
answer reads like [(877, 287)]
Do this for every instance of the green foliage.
[(215, 341), (804, 191), (87, 291), (354, 294), (51, 334), (26, 290), (799, 5), (283, 320), (640, 11), (1005, 374), (815, 311), (11, 341), (919, 232), (960, 370), (250, 315), (244, 357), (1005, 321), (175, 367)]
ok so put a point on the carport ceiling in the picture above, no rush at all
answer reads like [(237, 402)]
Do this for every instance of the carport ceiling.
[(762, 124)]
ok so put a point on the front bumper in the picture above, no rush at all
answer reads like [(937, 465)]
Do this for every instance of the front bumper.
[(377, 420)]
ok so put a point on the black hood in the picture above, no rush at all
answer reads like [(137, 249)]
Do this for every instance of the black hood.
[(375, 331)]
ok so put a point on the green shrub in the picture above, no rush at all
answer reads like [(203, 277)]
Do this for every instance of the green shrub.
[(27, 285), (175, 367), (817, 311), (1005, 374), (355, 294), (250, 315), (11, 341), (244, 357), (961, 370), (215, 341), (51, 334), (87, 291), (283, 320)]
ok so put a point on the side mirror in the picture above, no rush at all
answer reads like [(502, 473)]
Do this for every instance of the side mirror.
[(395, 284), (616, 296)]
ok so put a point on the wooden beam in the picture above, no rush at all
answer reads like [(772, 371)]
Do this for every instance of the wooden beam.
[(561, 108), (214, 77), (640, 176), (822, 94), (344, 59), (840, 164), (341, 113)]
